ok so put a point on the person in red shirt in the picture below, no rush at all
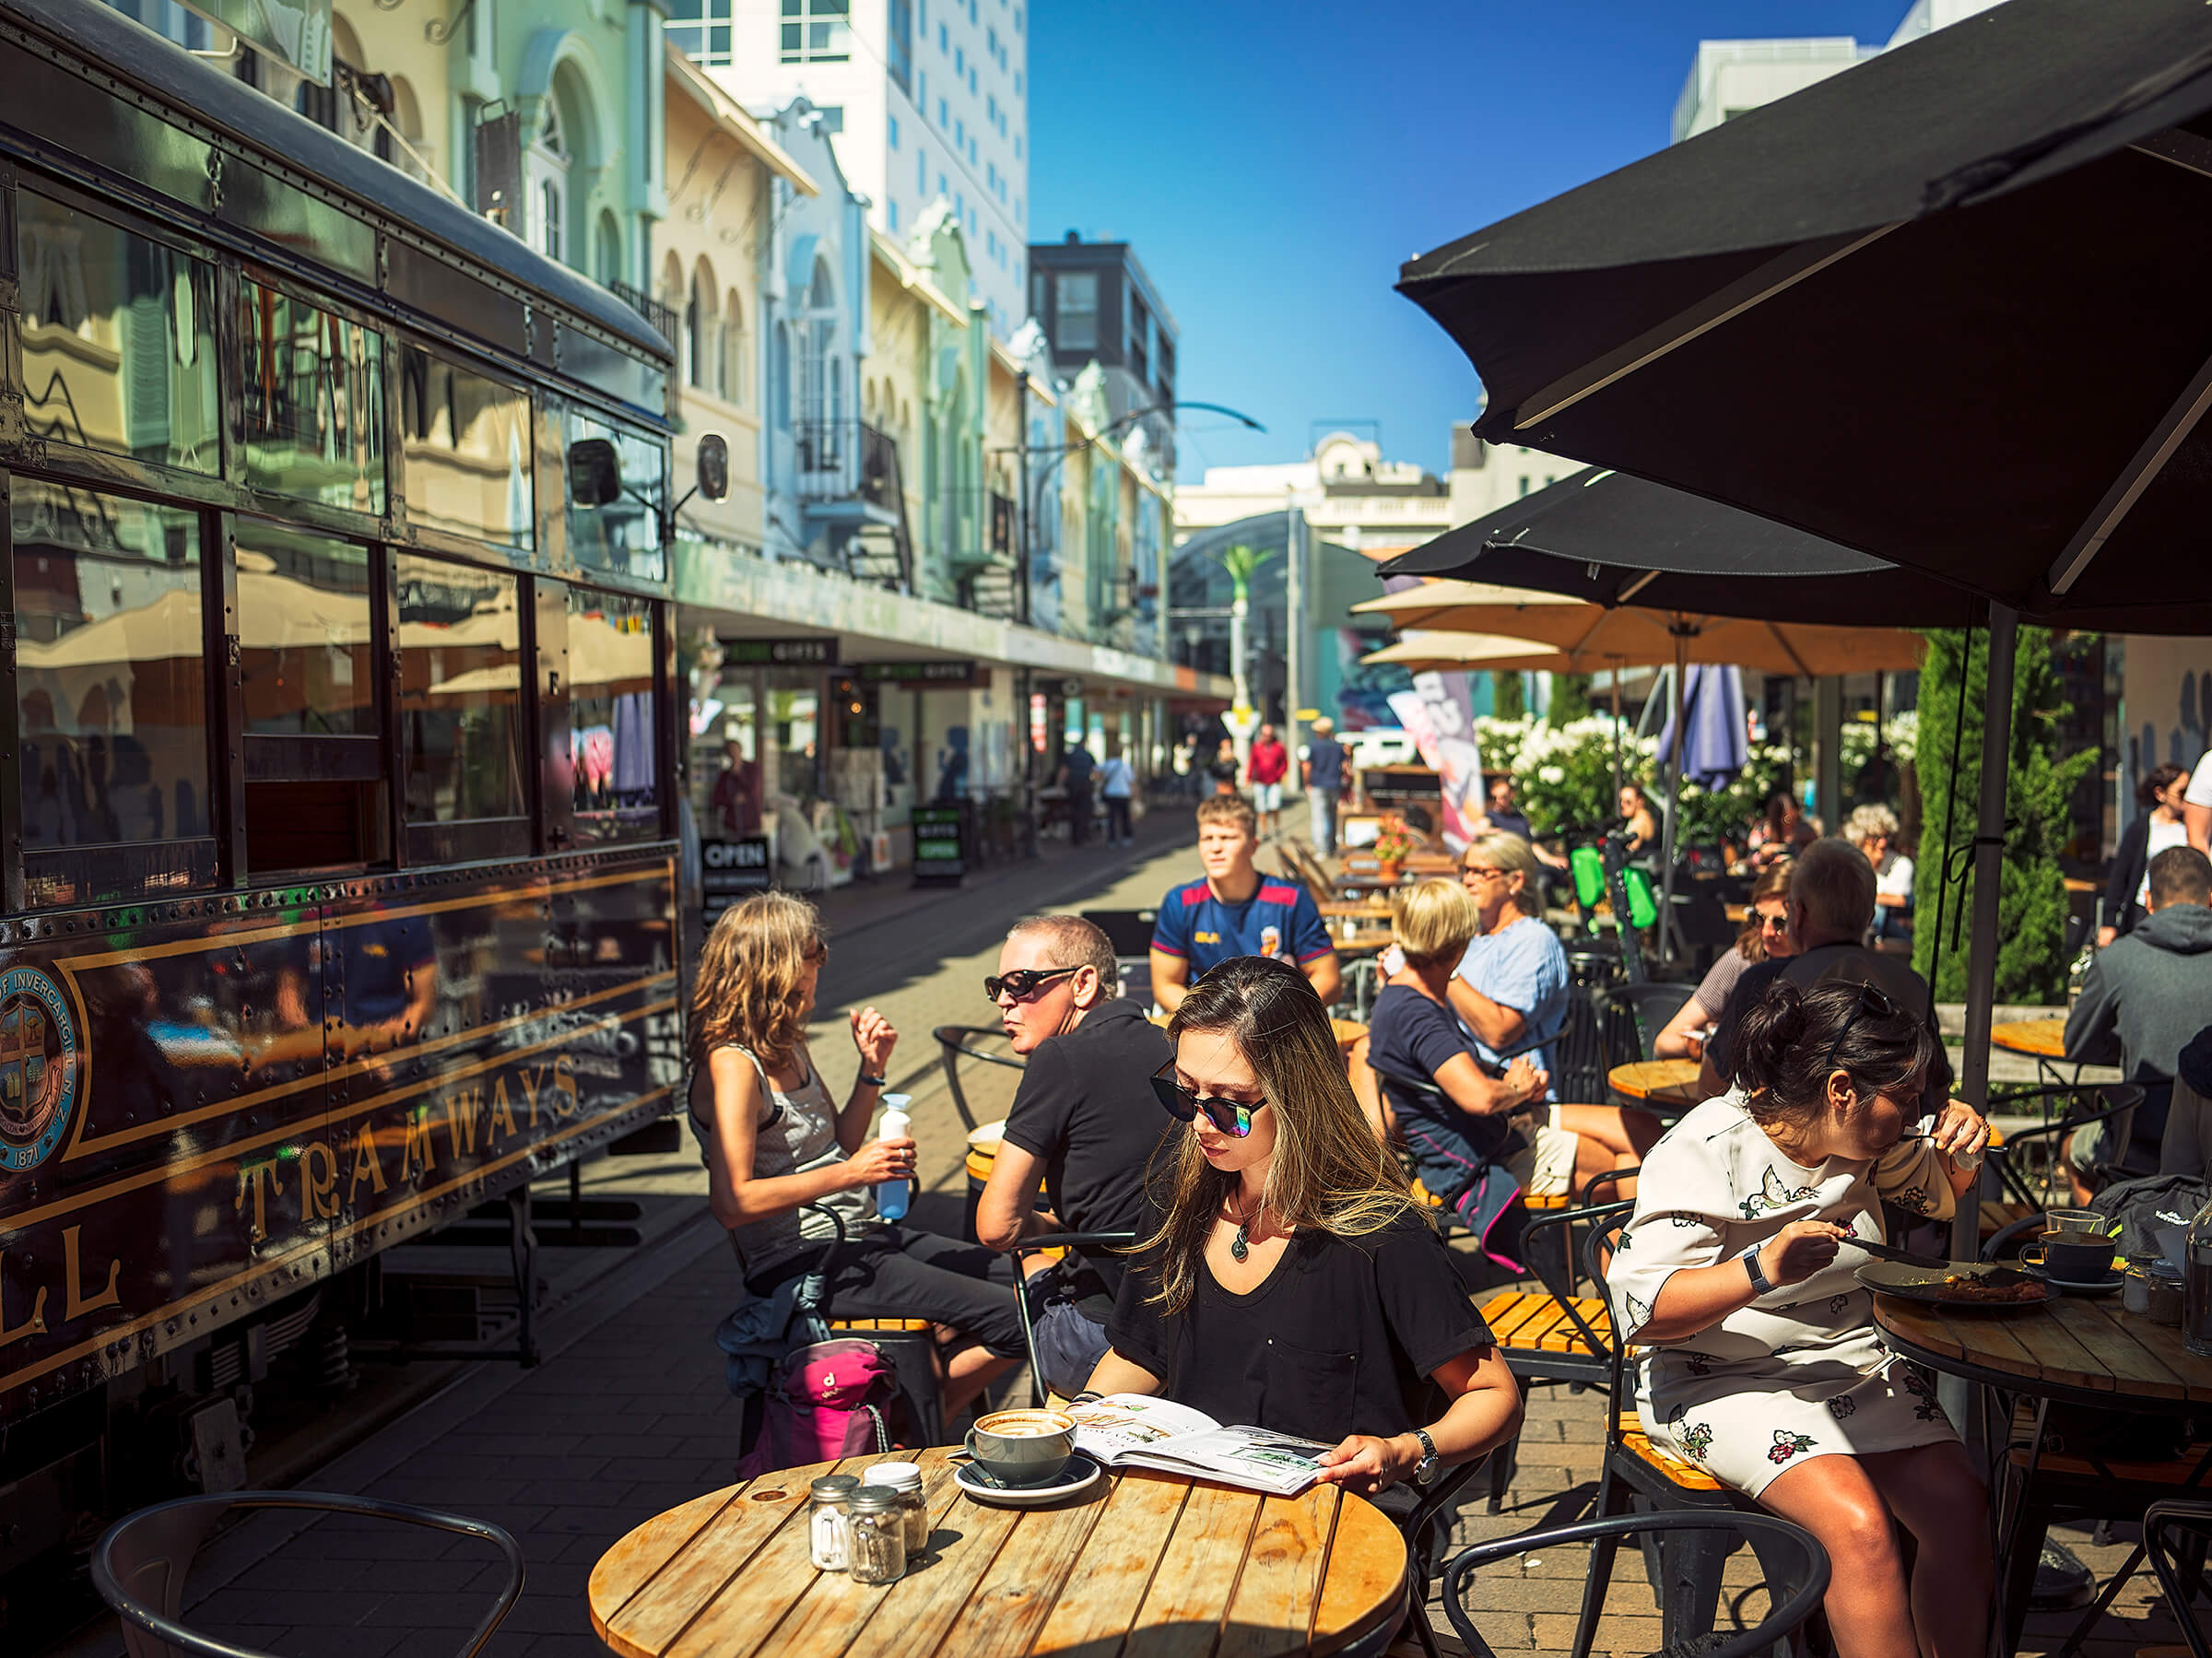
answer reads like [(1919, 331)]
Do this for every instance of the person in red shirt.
[(1269, 763)]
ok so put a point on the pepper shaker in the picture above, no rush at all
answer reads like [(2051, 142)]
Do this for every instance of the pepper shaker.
[(876, 1528)]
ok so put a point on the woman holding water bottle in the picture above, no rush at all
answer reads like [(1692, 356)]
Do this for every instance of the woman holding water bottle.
[(774, 1141)]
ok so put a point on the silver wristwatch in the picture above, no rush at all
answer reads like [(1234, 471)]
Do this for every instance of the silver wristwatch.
[(1425, 1470)]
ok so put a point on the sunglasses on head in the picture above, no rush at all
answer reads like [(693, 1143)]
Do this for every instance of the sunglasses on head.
[(1871, 1000), (1024, 981), (1232, 1117)]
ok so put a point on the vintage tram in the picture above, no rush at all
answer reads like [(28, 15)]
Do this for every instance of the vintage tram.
[(336, 794)]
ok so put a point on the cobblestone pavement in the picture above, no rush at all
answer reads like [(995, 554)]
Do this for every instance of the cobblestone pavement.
[(629, 1415)]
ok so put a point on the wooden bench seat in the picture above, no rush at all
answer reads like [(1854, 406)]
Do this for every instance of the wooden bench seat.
[(1689, 1476), (890, 1326), (1532, 1320)]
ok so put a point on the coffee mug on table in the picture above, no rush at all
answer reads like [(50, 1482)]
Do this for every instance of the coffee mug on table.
[(2070, 1257), (1023, 1447)]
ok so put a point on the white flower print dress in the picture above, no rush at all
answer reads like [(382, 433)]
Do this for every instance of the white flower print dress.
[(1802, 1372)]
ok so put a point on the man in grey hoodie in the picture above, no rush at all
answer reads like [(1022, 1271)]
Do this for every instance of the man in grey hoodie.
[(2145, 996)]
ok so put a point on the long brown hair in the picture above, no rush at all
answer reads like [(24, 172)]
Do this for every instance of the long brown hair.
[(746, 992), (1328, 1173), (1774, 882)]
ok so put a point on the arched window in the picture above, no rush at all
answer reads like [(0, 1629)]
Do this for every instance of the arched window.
[(820, 391), (733, 349), (702, 348), (608, 258), (407, 115), (545, 191)]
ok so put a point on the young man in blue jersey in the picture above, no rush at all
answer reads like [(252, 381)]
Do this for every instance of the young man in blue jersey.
[(1236, 910)]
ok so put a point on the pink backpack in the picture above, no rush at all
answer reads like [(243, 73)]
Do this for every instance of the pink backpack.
[(824, 1402)]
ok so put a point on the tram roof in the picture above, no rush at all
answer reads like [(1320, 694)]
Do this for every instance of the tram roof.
[(126, 48)]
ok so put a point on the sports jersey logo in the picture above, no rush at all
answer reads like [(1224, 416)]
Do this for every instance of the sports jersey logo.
[(38, 1067), (1206, 938)]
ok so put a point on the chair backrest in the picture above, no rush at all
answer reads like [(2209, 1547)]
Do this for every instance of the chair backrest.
[(1128, 931), (1599, 1245), (1650, 1005), (140, 1563), (1578, 1052), (1796, 1570)]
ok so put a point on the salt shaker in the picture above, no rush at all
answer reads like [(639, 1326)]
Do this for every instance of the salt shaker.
[(906, 1479), (826, 1501), (876, 1529)]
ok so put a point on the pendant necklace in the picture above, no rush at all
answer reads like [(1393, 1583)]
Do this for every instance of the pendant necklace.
[(1241, 1245)]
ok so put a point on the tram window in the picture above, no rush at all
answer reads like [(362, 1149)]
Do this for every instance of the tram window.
[(461, 700), (312, 391), (622, 534), (110, 703), (306, 639), (118, 339), (612, 730), (469, 460)]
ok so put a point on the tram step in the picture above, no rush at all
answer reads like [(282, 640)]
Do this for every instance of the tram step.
[(492, 1234)]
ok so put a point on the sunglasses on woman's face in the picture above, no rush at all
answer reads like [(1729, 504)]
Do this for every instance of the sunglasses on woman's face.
[(1232, 1117), (1024, 981)]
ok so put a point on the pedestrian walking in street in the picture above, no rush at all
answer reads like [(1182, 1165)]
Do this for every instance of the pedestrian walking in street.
[(1323, 771), (1236, 910), (736, 803), (773, 1141), (1223, 767), (1117, 783), (1370, 1343), (1077, 772), (1268, 765), (1083, 1128)]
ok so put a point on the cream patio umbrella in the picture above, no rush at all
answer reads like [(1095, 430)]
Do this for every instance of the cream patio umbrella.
[(1418, 651)]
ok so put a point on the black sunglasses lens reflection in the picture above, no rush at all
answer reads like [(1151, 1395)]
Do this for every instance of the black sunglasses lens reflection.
[(1231, 1117), (1023, 982)]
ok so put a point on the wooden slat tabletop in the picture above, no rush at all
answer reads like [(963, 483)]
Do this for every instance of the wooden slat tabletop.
[(1197, 1569), (2071, 1344), (2045, 1038), (1671, 1081)]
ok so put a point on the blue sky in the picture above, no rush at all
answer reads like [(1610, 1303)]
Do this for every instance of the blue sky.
[(1274, 164)]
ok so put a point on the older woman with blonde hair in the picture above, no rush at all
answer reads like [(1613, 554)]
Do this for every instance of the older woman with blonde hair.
[(1512, 990), (775, 1143), (1286, 1279), (1873, 829)]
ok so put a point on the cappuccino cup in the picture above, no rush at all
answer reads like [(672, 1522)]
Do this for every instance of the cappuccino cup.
[(1023, 1447), (2070, 1257)]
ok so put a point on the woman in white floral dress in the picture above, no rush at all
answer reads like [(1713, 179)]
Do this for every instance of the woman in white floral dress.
[(1762, 1362)]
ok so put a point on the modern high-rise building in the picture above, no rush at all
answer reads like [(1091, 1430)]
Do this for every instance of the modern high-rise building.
[(924, 98), (1096, 304)]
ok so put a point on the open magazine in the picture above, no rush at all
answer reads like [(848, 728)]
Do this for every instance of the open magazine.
[(1131, 1430)]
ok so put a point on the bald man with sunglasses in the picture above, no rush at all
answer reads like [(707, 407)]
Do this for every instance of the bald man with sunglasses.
[(1083, 1126)]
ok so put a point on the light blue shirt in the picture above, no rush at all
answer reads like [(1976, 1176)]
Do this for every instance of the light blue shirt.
[(1523, 969)]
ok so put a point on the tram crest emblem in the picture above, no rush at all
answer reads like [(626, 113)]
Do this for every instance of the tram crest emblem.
[(39, 1061)]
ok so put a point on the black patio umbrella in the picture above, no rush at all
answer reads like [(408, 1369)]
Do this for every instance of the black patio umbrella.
[(1944, 308), (1611, 538)]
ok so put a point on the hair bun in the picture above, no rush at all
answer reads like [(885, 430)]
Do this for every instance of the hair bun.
[(1765, 1032)]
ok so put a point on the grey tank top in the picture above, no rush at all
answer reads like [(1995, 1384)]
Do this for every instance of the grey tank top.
[(797, 1134)]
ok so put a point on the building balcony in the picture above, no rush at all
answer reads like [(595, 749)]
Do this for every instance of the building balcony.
[(661, 316)]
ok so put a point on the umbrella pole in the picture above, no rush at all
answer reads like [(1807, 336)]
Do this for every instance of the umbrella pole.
[(1989, 853), (1673, 807), (1615, 661)]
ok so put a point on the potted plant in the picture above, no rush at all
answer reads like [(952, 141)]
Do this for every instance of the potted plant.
[(1393, 842)]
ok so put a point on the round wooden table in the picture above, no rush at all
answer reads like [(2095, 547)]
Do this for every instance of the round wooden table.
[(1368, 941), (1160, 1562), (1661, 1082), (2045, 1038)]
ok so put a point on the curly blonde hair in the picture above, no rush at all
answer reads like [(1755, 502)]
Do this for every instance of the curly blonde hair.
[(747, 991)]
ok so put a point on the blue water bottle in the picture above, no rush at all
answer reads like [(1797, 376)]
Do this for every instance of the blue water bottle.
[(891, 1196)]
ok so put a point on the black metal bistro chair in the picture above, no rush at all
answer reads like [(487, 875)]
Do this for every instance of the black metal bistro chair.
[(2181, 1571), (140, 1564), (956, 1043), (1795, 1565)]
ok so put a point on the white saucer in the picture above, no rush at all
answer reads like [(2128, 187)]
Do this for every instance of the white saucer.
[(1079, 1477)]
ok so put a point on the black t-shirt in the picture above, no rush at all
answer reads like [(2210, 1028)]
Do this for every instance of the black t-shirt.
[(1086, 1107), (1341, 1338), (1824, 962)]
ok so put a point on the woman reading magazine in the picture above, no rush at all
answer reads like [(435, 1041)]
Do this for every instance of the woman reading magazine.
[(1286, 1280)]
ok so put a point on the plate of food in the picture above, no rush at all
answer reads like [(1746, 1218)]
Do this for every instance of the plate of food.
[(1961, 1286)]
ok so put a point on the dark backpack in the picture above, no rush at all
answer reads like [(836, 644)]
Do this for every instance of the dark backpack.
[(2137, 1210)]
